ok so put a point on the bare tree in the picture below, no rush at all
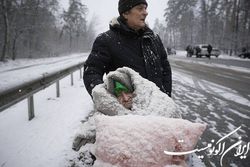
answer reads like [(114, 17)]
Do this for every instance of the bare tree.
[(91, 32), (223, 23), (179, 17), (30, 28), (75, 21), (6, 29)]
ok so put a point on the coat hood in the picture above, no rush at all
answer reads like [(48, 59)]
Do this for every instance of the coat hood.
[(118, 24), (148, 100)]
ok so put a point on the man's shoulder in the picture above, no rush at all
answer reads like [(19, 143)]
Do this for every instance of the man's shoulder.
[(106, 38), (110, 34)]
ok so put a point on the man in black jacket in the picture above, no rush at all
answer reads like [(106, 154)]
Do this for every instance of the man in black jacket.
[(209, 50), (131, 43)]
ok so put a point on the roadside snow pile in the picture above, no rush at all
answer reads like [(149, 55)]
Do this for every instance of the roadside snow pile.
[(21, 71), (11, 65), (140, 141)]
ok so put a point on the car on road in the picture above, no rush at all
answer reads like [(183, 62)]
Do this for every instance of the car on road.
[(171, 51), (215, 52), (201, 50), (244, 55)]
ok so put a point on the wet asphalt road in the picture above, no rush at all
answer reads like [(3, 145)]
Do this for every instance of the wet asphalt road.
[(202, 102), (236, 80)]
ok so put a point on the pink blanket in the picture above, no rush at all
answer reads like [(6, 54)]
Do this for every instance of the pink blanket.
[(140, 141)]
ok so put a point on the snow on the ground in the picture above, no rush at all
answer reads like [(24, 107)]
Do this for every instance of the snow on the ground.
[(181, 55), (219, 90), (30, 69), (47, 139), (216, 89), (11, 65), (218, 106), (213, 88)]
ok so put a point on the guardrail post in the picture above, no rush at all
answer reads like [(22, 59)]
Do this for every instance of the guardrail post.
[(72, 79), (57, 88), (31, 112), (12, 97), (80, 73)]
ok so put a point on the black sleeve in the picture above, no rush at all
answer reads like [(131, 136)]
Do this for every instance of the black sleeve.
[(167, 73), (95, 65)]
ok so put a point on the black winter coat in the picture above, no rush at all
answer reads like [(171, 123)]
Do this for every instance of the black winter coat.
[(121, 46)]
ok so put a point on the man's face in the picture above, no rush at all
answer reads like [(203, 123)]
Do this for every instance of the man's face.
[(136, 16), (125, 98)]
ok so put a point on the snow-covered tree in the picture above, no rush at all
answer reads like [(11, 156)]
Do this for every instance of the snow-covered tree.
[(223, 23), (75, 21)]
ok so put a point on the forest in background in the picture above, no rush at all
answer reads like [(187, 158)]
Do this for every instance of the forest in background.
[(40, 28), (222, 23)]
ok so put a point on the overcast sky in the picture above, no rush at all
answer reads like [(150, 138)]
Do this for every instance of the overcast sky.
[(105, 10)]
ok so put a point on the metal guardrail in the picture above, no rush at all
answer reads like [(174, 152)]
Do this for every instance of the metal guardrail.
[(27, 90)]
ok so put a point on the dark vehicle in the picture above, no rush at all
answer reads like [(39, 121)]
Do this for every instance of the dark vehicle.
[(171, 51), (244, 55)]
